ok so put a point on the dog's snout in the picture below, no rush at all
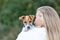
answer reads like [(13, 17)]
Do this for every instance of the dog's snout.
[(28, 27)]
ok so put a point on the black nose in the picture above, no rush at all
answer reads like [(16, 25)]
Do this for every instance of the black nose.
[(28, 27)]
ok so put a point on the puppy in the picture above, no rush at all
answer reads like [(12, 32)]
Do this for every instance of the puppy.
[(29, 31), (27, 21)]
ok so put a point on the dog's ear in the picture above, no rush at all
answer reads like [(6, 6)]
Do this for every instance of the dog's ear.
[(31, 17), (22, 18)]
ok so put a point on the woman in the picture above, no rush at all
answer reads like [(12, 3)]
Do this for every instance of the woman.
[(48, 18)]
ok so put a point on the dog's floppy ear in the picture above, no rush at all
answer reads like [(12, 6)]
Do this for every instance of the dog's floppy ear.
[(31, 17), (22, 18)]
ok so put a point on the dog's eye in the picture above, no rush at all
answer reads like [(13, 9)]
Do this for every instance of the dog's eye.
[(30, 21), (25, 22)]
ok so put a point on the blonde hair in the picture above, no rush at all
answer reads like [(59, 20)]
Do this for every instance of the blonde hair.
[(52, 22)]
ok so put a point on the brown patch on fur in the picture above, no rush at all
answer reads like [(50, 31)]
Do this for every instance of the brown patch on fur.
[(22, 18)]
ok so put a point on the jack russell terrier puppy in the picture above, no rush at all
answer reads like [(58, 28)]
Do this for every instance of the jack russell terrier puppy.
[(29, 31), (27, 21)]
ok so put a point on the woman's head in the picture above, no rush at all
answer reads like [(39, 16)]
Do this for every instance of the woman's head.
[(50, 21), (39, 21)]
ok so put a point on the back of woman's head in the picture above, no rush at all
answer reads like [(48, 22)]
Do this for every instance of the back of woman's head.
[(52, 22)]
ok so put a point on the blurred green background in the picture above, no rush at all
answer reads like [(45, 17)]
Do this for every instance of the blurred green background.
[(10, 10)]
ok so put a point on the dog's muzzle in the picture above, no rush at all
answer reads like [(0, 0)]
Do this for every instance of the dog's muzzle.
[(27, 28)]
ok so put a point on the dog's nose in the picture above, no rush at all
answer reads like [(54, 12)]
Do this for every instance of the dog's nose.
[(28, 27)]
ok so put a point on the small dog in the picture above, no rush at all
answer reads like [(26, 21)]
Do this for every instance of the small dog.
[(29, 31), (27, 21)]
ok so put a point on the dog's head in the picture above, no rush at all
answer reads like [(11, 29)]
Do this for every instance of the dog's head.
[(27, 21)]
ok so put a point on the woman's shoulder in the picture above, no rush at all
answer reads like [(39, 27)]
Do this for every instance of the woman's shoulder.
[(40, 28), (41, 31)]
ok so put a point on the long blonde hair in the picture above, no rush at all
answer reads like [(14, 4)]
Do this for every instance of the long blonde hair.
[(52, 22)]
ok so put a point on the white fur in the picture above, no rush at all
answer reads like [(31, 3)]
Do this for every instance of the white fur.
[(33, 34)]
